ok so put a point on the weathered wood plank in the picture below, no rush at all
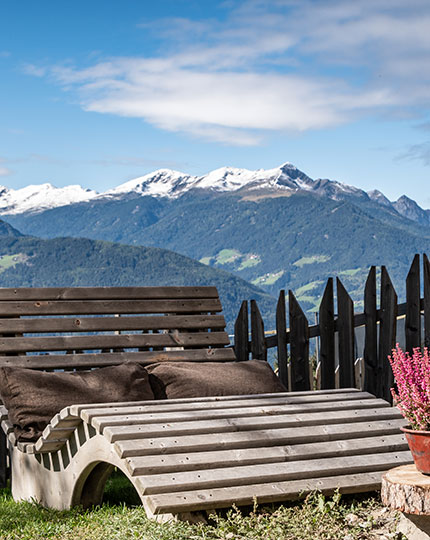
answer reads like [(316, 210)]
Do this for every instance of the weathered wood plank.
[(89, 307), (258, 344), (281, 335), (145, 465), (256, 438), (88, 360), (299, 345), (346, 336), (426, 301), (387, 335), (134, 417), (371, 334), (263, 493), (294, 470), (326, 324), (105, 293), (98, 341), (100, 324), (241, 333), (260, 401), (116, 433), (413, 311)]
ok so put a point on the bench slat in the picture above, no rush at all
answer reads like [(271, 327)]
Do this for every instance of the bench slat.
[(105, 293), (88, 307), (100, 324), (256, 438), (145, 465), (89, 360), (99, 341)]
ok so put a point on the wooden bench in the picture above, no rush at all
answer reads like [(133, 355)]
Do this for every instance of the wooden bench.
[(187, 454)]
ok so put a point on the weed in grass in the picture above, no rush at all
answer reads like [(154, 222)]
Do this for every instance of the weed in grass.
[(316, 518)]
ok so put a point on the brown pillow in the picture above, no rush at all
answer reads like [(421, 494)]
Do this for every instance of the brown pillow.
[(34, 397), (170, 380)]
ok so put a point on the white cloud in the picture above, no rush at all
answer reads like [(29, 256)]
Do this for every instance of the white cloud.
[(4, 171), (286, 65)]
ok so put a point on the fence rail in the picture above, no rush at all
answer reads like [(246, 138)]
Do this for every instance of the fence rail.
[(336, 331)]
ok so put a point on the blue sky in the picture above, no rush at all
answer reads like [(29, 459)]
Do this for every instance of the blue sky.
[(100, 92)]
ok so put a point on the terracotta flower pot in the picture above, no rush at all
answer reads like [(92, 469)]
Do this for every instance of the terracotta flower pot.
[(419, 445)]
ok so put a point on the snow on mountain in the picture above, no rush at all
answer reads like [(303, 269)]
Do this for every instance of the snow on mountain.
[(380, 198), (173, 184), (38, 198)]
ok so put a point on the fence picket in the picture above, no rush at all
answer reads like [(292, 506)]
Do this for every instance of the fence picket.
[(413, 311), (299, 345), (387, 335), (345, 309), (371, 334), (281, 334), (326, 322), (258, 344), (426, 301), (241, 333)]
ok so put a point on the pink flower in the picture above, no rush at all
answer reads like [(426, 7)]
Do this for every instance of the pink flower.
[(412, 376)]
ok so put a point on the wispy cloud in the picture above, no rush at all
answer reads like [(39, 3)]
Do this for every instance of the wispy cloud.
[(265, 69), (420, 152), (4, 171)]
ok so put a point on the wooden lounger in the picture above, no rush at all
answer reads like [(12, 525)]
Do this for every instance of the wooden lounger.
[(181, 455)]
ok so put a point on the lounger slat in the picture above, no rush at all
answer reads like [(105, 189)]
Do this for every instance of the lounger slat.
[(105, 293), (145, 465), (234, 476), (90, 360), (116, 433), (263, 493), (256, 438), (133, 418), (77, 307), (222, 402), (104, 324), (51, 445), (99, 341)]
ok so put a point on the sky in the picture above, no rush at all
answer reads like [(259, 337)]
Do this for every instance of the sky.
[(100, 92)]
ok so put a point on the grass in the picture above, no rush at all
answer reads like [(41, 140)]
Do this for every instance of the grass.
[(268, 279), (311, 260), (9, 261), (316, 518)]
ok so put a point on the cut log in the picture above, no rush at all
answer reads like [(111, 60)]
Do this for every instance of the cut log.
[(407, 490)]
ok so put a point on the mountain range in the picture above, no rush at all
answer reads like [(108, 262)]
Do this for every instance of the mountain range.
[(275, 228), (173, 184)]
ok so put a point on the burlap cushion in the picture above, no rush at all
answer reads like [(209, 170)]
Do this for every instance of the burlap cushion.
[(170, 380), (34, 397)]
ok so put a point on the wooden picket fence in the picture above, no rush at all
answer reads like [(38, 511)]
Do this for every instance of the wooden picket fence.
[(335, 333)]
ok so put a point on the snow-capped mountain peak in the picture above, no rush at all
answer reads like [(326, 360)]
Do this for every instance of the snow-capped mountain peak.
[(36, 198)]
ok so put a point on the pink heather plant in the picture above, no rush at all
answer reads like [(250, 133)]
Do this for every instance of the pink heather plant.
[(412, 375)]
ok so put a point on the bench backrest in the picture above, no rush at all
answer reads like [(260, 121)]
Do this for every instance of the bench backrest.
[(84, 327)]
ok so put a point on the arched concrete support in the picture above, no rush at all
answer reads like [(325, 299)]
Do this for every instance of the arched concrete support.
[(74, 475)]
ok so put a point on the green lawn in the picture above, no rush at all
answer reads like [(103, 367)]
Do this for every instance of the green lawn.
[(316, 518)]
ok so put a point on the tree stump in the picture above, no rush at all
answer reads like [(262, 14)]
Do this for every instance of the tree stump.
[(407, 490)]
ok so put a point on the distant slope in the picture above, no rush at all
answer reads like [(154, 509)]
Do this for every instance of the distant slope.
[(34, 262), (7, 230), (294, 241)]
